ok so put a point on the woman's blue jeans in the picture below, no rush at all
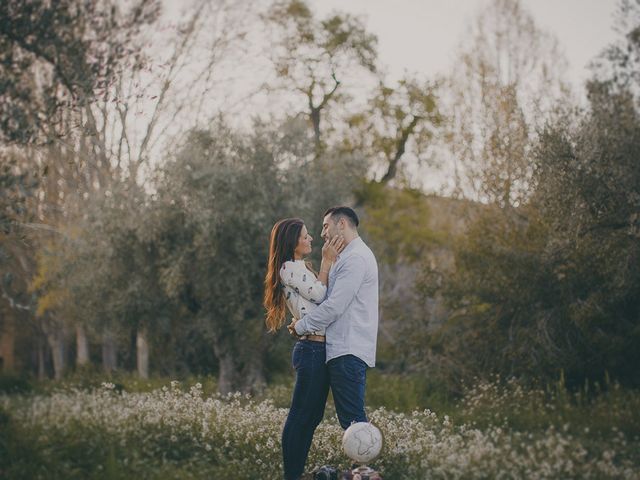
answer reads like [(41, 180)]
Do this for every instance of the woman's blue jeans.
[(307, 405)]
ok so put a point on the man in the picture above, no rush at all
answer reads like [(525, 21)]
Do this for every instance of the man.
[(349, 314)]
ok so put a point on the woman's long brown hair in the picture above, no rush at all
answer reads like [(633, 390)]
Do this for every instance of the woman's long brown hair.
[(282, 244)]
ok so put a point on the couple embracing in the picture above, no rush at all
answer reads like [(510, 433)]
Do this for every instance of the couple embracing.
[(335, 322)]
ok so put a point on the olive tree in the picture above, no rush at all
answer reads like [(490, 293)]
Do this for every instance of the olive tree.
[(216, 203)]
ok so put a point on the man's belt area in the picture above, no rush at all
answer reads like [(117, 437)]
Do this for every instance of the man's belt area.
[(312, 338)]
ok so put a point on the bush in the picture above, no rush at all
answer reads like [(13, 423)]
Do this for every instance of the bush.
[(14, 384)]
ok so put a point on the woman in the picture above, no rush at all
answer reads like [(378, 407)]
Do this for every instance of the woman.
[(291, 283)]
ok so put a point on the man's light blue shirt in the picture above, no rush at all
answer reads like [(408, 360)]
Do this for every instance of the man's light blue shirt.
[(349, 314)]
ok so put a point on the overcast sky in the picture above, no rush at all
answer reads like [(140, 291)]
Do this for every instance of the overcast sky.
[(422, 36), (434, 27)]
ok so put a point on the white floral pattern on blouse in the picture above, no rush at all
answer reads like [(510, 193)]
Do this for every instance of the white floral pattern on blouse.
[(302, 290)]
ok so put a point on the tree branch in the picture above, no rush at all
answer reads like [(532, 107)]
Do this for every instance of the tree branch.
[(400, 149)]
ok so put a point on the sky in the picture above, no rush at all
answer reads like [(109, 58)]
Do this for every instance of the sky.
[(435, 27), (421, 37)]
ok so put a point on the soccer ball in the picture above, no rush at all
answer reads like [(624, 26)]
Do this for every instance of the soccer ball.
[(362, 442)]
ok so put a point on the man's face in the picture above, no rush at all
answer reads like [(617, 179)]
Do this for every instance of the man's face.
[(330, 228)]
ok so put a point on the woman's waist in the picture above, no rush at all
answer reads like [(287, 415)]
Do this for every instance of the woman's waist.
[(313, 333), (312, 338)]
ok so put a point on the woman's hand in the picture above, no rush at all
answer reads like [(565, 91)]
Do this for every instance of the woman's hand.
[(292, 328), (330, 251), (332, 248)]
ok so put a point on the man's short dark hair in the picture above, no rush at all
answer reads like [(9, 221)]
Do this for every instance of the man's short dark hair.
[(343, 212)]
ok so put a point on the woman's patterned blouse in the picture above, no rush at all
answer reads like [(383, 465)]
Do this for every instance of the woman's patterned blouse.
[(302, 290)]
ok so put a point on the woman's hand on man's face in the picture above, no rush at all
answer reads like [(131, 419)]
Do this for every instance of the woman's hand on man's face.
[(332, 248)]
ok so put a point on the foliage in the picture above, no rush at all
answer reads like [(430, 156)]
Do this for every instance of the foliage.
[(312, 56), (553, 285), (69, 46), (398, 120), (49, 280), (411, 233), (10, 384), (16, 189), (186, 264), (498, 284), (589, 193), (216, 204), (619, 63), (594, 411), (397, 223)]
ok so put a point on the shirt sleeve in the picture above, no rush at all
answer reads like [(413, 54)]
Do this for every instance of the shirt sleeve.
[(303, 281), (349, 278)]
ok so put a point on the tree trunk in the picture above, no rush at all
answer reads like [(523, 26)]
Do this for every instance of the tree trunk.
[(237, 371), (142, 352), (254, 376), (42, 371), (228, 375), (109, 352), (315, 121), (401, 146), (56, 342), (229, 372), (7, 343), (82, 346), (254, 379)]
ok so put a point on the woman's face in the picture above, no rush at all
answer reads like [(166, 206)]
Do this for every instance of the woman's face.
[(304, 244)]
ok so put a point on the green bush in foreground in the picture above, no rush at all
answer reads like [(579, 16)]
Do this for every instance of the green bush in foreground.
[(171, 433)]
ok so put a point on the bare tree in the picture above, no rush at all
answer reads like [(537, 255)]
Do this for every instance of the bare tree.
[(169, 98), (508, 78), (619, 63), (56, 54), (114, 136)]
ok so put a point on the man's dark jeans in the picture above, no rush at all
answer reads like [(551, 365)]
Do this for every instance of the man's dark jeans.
[(347, 377), (307, 405)]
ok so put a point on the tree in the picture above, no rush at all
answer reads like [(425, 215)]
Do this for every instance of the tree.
[(588, 194), (106, 147), (619, 63), (16, 188), (217, 202), (553, 285), (396, 120), (498, 296), (57, 54), (161, 96), (507, 80), (398, 225), (311, 56), (55, 59), (103, 275), (134, 300), (160, 87)]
